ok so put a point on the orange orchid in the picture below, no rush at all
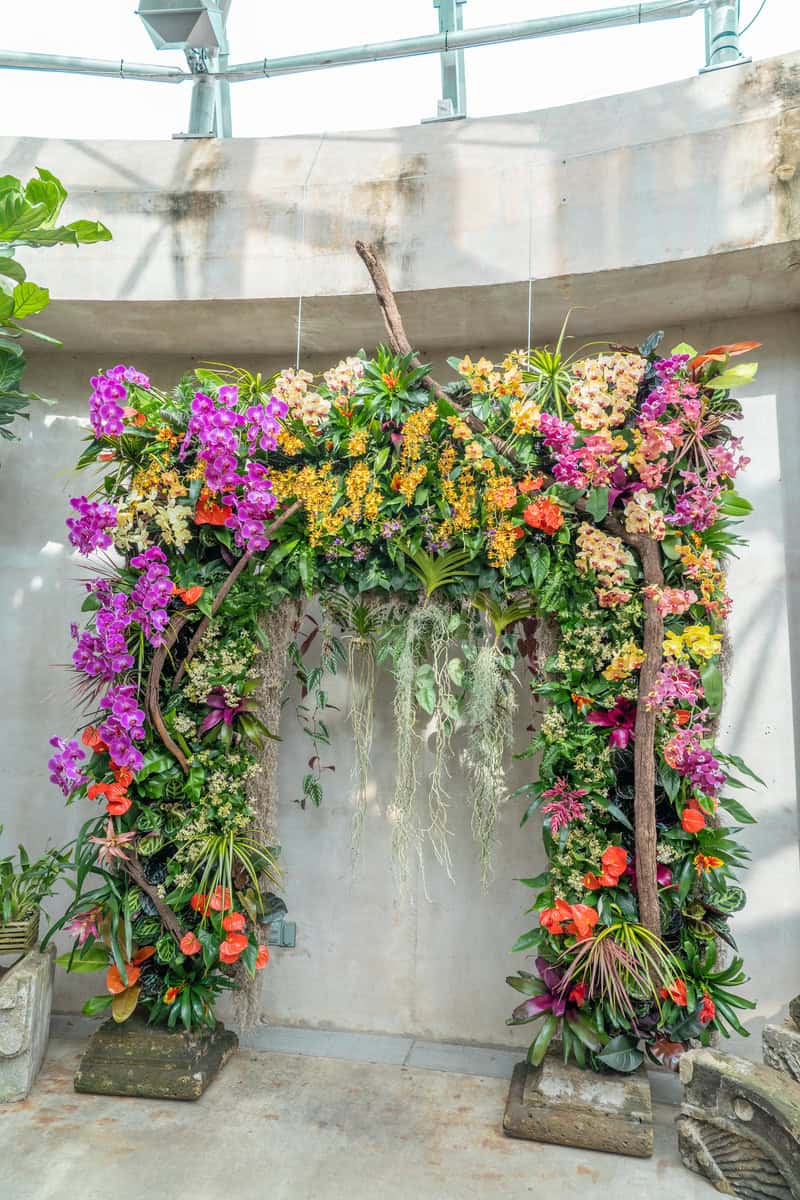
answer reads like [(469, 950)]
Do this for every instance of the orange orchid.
[(544, 514), (122, 775), (582, 702), (188, 595), (707, 862), (528, 485)]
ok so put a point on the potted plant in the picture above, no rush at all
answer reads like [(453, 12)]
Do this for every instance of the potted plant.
[(23, 887)]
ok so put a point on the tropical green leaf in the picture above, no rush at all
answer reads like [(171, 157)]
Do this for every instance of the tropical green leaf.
[(621, 1054)]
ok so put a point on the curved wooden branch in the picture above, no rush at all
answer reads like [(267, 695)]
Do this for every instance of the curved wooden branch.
[(169, 920), (650, 558), (152, 703), (197, 636)]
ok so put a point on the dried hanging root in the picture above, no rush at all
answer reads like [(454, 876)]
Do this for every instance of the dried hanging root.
[(361, 670), (427, 636), (491, 704)]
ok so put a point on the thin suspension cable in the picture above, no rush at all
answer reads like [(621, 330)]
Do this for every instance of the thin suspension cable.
[(753, 19)]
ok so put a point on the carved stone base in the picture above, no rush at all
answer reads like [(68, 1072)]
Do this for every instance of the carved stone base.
[(781, 1048), (137, 1059), (794, 1010), (562, 1104), (740, 1126), (26, 996)]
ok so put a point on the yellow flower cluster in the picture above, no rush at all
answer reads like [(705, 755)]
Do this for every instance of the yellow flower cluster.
[(525, 416), (484, 378), (356, 484), (153, 481), (415, 433), (605, 556), (604, 389), (357, 443), (627, 660), (501, 492), (315, 488), (288, 442), (502, 544), (407, 482), (642, 516), (696, 641), (703, 569), (372, 504)]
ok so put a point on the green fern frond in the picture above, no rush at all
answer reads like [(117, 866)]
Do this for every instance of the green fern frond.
[(441, 571), (501, 617)]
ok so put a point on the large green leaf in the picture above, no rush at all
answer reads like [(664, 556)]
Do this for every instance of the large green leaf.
[(29, 298), (82, 961), (738, 376), (621, 1054), (12, 269)]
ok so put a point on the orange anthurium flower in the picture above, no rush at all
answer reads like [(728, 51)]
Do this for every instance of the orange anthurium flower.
[(552, 919), (198, 901), (584, 920), (692, 819), (114, 979), (117, 802), (234, 922), (220, 900), (676, 992), (577, 919), (171, 995), (262, 958), (91, 738), (208, 513), (188, 595), (189, 944), (708, 1009), (578, 994), (720, 353), (232, 947), (615, 861)]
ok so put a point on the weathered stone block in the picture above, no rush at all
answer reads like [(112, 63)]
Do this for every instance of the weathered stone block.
[(794, 1010), (740, 1126), (781, 1048), (560, 1103), (26, 997), (137, 1059)]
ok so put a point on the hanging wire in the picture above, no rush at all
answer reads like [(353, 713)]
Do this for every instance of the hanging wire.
[(753, 19), (303, 203)]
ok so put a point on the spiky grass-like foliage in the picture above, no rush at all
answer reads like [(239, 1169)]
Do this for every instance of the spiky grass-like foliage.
[(426, 640), (491, 704), (622, 964)]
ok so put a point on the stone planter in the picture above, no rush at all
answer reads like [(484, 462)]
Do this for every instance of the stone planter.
[(26, 997), (137, 1059), (560, 1103)]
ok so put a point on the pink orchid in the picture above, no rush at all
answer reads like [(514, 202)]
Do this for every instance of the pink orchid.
[(84, 925)]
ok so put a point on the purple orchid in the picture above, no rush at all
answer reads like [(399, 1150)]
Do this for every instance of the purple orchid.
[(621, 720), (64, 769)]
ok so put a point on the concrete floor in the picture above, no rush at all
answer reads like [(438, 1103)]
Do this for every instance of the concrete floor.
[(284, 1125)]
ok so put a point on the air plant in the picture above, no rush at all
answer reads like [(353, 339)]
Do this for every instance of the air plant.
[(231, 861), (623, 963), (361, 622), (490, 707)]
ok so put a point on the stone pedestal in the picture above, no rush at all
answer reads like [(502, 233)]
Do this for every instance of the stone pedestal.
[(740, 1126), (794, 1011), (26, 997), (137, 1059), (562, 1104), (781, 1048)]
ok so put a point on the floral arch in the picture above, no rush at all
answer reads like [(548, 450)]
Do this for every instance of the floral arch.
[(443, 528)]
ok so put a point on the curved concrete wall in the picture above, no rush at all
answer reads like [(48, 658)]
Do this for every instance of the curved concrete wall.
[(653, 187)]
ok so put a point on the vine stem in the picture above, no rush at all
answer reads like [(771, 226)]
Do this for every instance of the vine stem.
[(169, 920), (645, 832)]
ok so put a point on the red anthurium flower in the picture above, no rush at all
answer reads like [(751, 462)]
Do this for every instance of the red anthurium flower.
[(692, 818), (578, 994), (122, 775), (198, 901), (117, 802), (232, 947), (208, 513), (676, 992), (91, 738), (576, 919), (262, 958), (220, 900), (188, 595), (708, 1009), (234, 922), (720, 353), (614, 865), (189, 944)]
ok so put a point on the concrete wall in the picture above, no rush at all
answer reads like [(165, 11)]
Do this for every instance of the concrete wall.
[(368, 958)]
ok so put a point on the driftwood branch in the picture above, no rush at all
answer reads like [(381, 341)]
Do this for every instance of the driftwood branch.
[(650, 558), (169, 920), (153, 688)]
